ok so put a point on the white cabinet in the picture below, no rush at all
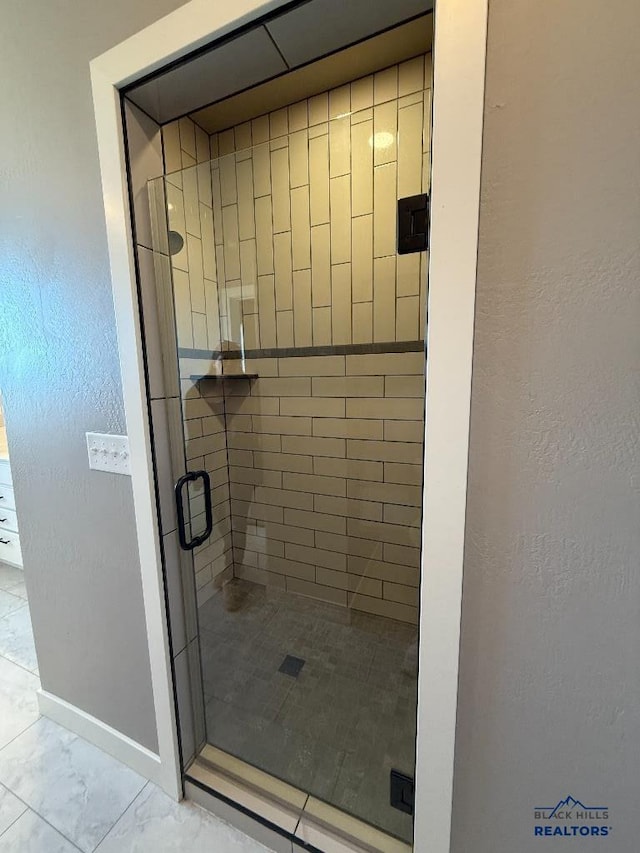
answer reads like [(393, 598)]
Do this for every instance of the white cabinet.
[(9, 539)]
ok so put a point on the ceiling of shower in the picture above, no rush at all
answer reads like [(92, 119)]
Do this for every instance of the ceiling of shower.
[(277, 46), (382, 51)]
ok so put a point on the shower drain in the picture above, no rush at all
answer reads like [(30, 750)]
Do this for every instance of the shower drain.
[(291, 666)]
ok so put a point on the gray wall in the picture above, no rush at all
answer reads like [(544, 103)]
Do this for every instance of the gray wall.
[(550, 674), (59, 370)]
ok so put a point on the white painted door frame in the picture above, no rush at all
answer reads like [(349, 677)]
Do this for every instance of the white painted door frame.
[(458, 105)]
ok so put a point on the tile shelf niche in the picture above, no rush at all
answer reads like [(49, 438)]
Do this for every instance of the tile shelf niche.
[(222, 377)]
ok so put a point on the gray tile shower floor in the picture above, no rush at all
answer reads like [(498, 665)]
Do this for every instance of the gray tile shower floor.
[(339, 727)]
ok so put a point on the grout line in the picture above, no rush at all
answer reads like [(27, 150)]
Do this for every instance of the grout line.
[(275, 44), (44, 819), (28, 808), (20, 666), (123, 813), (40, 717), (302, 811), (18, 598), (7, 828)]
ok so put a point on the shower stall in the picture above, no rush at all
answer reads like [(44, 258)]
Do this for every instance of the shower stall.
[(289, 266)]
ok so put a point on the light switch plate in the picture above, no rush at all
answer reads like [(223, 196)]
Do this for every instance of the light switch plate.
[(108, 452)]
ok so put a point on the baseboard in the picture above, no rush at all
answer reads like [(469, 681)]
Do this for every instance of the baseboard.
[(109, 740)]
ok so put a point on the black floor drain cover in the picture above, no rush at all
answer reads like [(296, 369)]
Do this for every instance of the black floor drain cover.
[(291, 666)]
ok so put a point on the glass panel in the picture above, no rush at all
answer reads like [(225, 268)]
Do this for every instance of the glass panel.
[(300, 346)]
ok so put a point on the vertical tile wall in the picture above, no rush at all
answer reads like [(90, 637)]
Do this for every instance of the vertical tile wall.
[(304, 208), (292, 244), (193, 267), (190, 215)]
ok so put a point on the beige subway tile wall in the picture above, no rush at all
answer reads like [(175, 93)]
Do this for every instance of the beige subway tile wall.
[(204, 421), (289, 242), (321, 503)]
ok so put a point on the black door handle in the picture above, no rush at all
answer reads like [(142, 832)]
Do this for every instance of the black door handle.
[(190, 477)]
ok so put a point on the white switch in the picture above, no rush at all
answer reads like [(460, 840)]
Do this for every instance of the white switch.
[(108, 452)]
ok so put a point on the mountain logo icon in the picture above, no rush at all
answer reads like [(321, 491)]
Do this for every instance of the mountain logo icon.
[(568, 803), (565, 806)]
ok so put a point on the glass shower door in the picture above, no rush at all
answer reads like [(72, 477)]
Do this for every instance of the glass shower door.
[(299, 342)]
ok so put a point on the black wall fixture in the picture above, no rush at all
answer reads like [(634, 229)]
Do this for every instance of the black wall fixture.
[(413, 224), (402, 792)]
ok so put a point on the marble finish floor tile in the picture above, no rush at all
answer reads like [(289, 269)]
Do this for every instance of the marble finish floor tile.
[(18, 702), (16, 639), (10, 576), (154, 822), (19, 589), (9, 602), (31, 834), (10, 808), (74, 786)]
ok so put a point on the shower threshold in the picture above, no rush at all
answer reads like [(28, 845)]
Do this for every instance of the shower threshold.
[(278, 814)]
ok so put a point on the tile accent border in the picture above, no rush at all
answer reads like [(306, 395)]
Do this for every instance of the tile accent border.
[(301, 352)]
